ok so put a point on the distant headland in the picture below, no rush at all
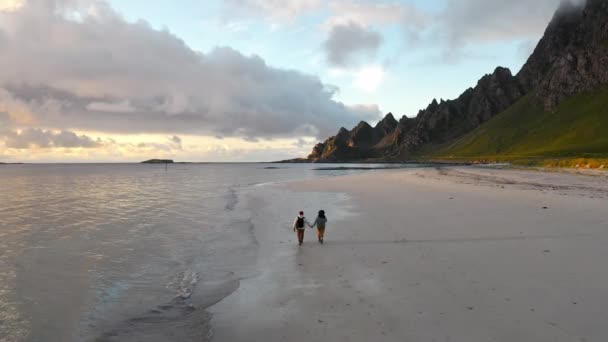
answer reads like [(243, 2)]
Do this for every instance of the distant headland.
[(158, 161)]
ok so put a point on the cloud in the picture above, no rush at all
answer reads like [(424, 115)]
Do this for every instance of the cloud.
[(111, 107), (346, 43), (175, 139), (175, 142), (5, 120), (464, 23), (10, 5), (304, 144), (461, 28), (101, 73), (491, 21), (275, 10), (39, 138), (31, 143), (351, 28), (370, 13)]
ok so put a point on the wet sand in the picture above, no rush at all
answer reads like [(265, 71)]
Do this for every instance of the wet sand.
[(436, 254)]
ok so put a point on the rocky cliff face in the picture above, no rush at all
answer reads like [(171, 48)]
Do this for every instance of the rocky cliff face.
[(360, 143), (572, 57)]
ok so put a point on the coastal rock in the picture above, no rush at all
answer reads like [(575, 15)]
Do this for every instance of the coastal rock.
[(158, 161)]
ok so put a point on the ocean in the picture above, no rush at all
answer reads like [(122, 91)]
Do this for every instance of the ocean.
[(128, 252)]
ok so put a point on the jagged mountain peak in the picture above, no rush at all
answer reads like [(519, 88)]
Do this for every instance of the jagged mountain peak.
[(362, 125), (388, 119), (343, 131), (387, 123)]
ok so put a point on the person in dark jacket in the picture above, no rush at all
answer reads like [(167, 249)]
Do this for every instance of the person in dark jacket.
[(320, 222), (299, 225)]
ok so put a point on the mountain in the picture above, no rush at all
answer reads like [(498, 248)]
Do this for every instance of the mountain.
[(577, 127), (565, 111), (360, 143), (560, 87), (571, 58), (439, 122)]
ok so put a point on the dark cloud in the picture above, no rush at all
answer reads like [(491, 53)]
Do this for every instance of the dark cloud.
[(100, 72), (176, 142), (35, 137), (303, 143), (348, 42)]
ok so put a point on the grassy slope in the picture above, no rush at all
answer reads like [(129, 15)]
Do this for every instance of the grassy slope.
[(578, 128)]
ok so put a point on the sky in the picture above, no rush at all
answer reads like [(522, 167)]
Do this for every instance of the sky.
[(237, 80)]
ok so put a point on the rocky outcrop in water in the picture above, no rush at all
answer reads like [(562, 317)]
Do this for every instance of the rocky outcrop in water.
[(158, 161)]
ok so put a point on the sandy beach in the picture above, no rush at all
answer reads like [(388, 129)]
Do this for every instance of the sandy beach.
[(435, 254)]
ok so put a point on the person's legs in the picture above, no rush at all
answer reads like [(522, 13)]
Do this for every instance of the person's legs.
[(300, 235), (320, 233)]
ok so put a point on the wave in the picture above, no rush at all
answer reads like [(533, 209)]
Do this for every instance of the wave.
[(184, 283)]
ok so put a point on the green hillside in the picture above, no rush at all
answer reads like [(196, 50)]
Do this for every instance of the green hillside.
[(577, 128)]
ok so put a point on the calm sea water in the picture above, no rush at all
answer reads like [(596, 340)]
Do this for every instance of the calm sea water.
[(103, 252)]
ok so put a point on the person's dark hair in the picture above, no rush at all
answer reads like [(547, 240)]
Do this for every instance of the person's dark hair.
[(322, 213)]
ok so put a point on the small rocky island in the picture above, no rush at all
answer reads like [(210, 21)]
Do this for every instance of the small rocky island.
[(158, 161)]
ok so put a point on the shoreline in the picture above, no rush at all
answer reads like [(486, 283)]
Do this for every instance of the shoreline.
[(448, 253), (566, 163)]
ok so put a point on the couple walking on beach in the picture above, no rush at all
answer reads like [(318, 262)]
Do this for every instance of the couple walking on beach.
[(300, 223)]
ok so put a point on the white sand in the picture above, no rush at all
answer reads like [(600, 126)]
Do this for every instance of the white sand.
[(451, 254)]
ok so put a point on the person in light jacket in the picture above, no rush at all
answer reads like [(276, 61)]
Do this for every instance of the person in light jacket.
[(299, 225), (320, 222)]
